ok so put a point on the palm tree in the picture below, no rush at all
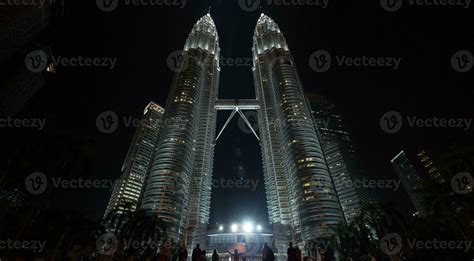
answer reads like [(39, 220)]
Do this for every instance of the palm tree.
[(146, 230), (446, 207), (346, 240), (453, 211), (458, 158), (383, 219)]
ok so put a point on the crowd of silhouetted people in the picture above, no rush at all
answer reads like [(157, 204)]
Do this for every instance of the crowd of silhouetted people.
[(200, 255), (294, 253)]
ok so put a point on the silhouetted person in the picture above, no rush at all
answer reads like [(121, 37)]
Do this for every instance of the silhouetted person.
[(291, 252), (297, 253), (270, 254), (203, 256), (182, 253), (215, 256), (329, 254), (196, 253), (264, 252), (236, 255)]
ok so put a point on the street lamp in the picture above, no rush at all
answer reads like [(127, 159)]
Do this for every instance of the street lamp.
[(248, 227), (234, 228)]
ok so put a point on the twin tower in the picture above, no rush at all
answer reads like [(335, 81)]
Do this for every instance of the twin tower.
[(301, 199)]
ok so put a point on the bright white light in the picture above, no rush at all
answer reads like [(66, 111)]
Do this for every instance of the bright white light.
[(259, 228), (221, 228), (234, 228), (248, 227)]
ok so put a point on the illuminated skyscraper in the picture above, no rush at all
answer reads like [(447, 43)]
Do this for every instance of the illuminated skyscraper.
[(302, 202), (426, 164), (178, 190), (410, 180), (340, 154), (413, 167), (128, 188)]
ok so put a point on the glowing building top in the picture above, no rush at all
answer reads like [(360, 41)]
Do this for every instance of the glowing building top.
[(155, 107), (204, 36), (267, 35)]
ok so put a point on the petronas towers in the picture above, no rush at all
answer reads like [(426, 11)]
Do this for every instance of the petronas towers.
[(179, 183), (302, 202), (301, 198)]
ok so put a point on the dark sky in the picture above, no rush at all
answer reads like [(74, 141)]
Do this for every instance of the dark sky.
[(141, 38)]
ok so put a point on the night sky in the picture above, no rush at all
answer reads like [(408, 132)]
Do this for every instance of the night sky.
[(141, 38)]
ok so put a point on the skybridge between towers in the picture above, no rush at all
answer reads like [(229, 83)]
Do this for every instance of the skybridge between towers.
[(237, 106)]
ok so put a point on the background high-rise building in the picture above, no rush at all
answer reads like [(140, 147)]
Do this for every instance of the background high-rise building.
[(340, 154), (178, 188), (341, 176), (427, 165), (429, 171), (293, 162), (418, 166), (126, 194), (410, 180)]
